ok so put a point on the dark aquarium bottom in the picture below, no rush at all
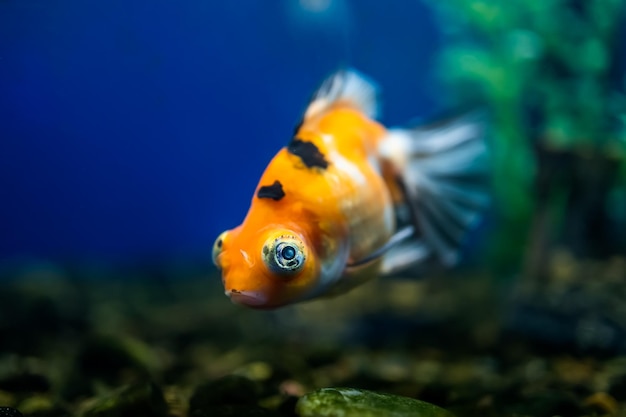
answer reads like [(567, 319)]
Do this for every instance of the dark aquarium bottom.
[(171, 344)]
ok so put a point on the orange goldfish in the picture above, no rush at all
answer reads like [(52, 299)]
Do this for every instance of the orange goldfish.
[(330, 210)]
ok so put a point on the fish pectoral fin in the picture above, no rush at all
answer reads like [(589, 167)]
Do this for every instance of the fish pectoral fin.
[(403, 252), (401, 236), (405, 258)]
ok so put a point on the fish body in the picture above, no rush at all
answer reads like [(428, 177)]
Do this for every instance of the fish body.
[(324, 215)]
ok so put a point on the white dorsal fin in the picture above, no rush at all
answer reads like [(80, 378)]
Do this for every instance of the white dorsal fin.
[(345, 86)]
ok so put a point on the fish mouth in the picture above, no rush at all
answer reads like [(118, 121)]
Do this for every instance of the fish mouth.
[(247, 298)]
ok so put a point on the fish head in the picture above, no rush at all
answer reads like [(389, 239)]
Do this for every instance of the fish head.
[(268, 268)]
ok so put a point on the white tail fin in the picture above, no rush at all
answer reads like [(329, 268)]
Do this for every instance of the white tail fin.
[(443, 170), (347, 86)]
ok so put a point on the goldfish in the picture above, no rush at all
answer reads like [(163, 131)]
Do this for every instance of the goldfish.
[(348, 199)]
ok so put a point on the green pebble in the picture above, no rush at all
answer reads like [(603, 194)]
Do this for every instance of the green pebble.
[(350, 402)]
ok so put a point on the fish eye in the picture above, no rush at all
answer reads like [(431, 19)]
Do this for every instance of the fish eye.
[(288, 252), (284, 255), (217, 248)]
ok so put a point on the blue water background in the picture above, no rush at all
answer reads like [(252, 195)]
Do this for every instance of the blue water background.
[(134, 131)]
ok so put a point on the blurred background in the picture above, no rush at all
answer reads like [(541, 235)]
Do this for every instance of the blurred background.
[(133, 133), (138, 132)]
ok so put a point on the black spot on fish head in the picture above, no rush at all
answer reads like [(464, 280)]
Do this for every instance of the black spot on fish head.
[(308, 153), (274, 191)]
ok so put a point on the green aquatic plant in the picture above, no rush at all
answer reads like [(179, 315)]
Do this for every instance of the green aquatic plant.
[(549, 70)]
